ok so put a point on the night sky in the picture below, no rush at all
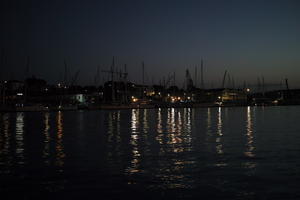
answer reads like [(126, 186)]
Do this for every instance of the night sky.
[(250, 39)]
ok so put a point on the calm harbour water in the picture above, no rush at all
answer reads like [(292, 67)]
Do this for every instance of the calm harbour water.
[(186, 153)]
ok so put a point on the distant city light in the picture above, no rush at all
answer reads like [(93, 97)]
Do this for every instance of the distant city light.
[(134, 99)]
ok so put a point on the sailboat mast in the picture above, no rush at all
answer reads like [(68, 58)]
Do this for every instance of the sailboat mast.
[(202, 81)]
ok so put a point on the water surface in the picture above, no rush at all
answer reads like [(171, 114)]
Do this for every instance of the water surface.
[(186, 153)]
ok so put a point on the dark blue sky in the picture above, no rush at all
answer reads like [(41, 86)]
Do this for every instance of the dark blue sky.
[(248, 38)]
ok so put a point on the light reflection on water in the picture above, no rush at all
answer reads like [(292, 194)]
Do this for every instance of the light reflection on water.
[(186, 148), (60, 154), (219, 145), (250, 148), (134, 141), (250, 140), (145, 121), (20, 138), (208, 129), (173, 142), (46, 151), (5, 155)]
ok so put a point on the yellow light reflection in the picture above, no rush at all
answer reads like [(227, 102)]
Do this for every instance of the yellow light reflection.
[(60, 154), (118, 128), (159, 121), (171, 121), (179, 122), (174, 133), (174, 137), (6, 137), (110, 131), (145, 121), (208, 129), (135, 121), (46, 151)]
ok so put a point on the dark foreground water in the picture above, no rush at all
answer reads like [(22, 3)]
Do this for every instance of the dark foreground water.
[(212, 153)]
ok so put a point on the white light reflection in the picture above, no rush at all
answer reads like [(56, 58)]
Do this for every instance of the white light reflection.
[(219, 146), (135, 161), (159, 130), (20, 137), (188, 121), (188, 138), (249, 151), (174, 133), (249, 146)]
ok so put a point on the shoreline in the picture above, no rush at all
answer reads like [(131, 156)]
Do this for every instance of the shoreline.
[(124, 107)]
